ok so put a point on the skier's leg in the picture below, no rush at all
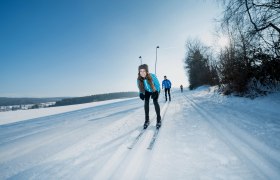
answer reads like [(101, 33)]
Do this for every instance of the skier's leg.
[(146, 107), (157, 108), (165, 92), (169, 94)]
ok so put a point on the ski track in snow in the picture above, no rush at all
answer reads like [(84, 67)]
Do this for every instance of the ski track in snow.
[(203, 136), (260, 157), (130, 164), (66, 132)]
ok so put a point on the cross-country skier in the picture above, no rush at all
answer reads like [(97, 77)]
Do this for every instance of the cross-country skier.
[(181, 87), (149, 86), (166, 84)]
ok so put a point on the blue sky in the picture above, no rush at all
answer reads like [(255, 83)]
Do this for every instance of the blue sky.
[(51, 48)]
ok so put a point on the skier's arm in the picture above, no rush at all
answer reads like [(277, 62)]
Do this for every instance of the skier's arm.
[(138, 86), (156, 83)]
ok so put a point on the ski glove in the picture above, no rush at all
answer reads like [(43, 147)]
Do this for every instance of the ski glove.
[(142, 96), (155, 95)]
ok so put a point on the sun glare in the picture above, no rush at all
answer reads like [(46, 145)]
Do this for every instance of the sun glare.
[(223, 41)]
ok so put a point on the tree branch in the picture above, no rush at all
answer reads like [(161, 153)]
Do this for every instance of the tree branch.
[(254, 24)]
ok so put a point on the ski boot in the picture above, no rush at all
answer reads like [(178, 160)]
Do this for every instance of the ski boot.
[(158, 124), (146, 124)]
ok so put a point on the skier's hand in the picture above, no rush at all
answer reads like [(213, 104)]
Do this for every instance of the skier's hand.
[(155, 95), (142, 96)]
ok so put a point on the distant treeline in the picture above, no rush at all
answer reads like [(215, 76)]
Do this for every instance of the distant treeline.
[(5, 101), (94, 98)]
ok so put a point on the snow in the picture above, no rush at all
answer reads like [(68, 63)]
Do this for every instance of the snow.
[(204, 135), (21, 115)]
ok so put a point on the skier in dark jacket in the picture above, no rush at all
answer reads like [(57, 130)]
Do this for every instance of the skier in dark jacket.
[(166, 84), (149, 86)]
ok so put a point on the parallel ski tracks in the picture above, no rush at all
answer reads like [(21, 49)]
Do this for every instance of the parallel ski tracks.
[(260, 157), (127, 160), (156, 131)]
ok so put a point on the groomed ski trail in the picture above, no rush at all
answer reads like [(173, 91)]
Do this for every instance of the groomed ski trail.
[(54, 146), (133, 163), (203, 136), (254, 153)]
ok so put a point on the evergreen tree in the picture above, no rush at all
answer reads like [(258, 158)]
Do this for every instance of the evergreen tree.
[(197, 65)]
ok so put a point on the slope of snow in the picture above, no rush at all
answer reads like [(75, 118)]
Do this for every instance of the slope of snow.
[(21, 115), (203, 136)]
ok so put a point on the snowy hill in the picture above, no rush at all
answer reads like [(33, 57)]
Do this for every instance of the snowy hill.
[(204, 136)]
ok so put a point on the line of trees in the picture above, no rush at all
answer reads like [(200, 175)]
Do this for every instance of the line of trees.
[(4, 101), (199, 65), (250, 64), (95, 98)]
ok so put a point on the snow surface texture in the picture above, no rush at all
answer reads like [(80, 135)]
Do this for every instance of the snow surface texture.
[(203, 136), (21, 115)]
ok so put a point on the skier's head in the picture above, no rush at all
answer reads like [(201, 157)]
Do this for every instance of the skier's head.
[(143, 70), (143, 73), (164, 77)]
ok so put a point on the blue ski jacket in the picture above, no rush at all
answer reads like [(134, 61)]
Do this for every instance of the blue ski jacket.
[(147, 86), (166, 84)]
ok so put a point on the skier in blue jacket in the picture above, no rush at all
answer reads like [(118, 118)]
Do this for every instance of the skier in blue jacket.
[(149, 86), (166, 84)]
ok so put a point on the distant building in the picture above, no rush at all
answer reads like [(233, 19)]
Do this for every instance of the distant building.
[(25, 107)]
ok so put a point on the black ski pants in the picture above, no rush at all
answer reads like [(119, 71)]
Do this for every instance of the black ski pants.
[(146, 106), (167, 90)]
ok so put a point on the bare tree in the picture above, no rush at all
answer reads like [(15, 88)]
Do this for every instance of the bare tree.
[(261, 18)]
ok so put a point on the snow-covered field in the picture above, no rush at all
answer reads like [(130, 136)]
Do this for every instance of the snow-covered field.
[(21, 115), (204, 136)]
